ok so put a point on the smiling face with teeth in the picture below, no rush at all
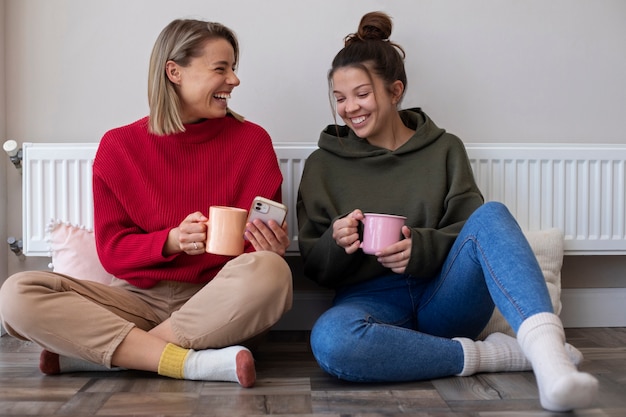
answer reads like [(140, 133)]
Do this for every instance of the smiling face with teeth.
[(365, 104), (204, 86)]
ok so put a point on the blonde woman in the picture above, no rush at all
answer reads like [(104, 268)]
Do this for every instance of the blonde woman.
[(173, 308)]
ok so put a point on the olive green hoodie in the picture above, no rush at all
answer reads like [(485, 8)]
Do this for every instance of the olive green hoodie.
[(429, 180)]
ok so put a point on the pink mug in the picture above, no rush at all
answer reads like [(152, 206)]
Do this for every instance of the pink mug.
[(380, 231)]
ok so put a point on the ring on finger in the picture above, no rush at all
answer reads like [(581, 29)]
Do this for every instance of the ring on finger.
[(195, 245)]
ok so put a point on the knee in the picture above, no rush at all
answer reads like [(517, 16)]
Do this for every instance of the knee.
[(330, 342), (493, 215), (12, 291), (15, 307), (323, 344), (493, 208), (272, 278), (274, 268)]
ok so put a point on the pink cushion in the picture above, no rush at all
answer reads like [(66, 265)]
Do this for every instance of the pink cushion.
[(73, 251)]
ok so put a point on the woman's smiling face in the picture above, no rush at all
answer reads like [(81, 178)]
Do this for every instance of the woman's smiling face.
[(363, 102), (204, 86)]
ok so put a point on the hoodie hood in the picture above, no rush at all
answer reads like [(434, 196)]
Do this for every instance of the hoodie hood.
[(343, 142)]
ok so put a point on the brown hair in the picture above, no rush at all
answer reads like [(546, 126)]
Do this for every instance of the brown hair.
[(179, 41), (371, 50)]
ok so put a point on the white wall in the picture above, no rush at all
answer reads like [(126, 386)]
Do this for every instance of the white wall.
[(487, 70)]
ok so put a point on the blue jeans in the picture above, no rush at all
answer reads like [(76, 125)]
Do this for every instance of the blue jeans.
[(399, 328)]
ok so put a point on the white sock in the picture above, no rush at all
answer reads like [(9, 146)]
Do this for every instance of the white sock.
[(561, 386), (497, 353), (68, 364), (233, 363), (575, 355), (500, 353), (51, 363)]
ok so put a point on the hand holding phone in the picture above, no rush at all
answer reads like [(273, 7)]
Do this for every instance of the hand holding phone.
[(266, 210)]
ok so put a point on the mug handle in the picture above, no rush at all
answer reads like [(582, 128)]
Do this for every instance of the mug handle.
[(360, 230), (208, 236)]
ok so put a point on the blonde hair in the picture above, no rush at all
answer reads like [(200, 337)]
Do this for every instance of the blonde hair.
[(179, 41)]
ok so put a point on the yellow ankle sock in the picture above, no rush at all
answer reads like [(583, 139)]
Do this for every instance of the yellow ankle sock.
[(172, 361)]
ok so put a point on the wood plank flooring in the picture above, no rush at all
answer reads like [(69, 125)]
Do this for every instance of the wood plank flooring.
[(291, 384)]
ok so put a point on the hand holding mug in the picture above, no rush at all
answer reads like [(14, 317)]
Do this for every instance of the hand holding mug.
[(396, 257), (380, 231), (346, 231), (188, 237)]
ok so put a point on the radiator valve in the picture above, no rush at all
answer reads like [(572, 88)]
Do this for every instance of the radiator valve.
[(14, 152), (16, 247)]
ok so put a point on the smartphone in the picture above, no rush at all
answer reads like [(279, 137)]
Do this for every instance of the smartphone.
[(266, 210)]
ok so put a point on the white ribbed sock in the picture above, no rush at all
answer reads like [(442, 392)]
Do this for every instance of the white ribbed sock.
[(500, 353), (233, 363), (561, 386), (497, 353), (574, 355)]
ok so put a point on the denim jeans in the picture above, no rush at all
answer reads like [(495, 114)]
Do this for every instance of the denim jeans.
[(400, 328)]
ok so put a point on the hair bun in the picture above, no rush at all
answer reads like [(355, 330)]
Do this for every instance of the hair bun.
[(374, 26)]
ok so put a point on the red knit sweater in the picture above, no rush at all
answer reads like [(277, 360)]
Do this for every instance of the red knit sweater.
[(144, 185)]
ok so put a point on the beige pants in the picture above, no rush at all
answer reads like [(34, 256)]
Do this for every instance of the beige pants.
[(88, 320)]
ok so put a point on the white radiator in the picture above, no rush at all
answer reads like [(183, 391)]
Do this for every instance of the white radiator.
[(291, 158), (580, 189), (56, 185)]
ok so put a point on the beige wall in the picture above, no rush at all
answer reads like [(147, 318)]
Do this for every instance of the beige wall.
[(3, 159), (487, 70)]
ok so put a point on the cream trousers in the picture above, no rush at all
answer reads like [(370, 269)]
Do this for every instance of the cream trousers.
[(88, 320)]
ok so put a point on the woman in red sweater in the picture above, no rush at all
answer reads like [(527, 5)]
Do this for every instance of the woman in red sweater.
[(173, 308)]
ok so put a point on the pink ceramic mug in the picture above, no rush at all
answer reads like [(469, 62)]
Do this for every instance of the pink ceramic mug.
[(225, 230), (380, 231)]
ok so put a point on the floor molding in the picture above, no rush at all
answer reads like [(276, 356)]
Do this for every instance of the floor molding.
[(593, 307), (582, 307), (307, 307)]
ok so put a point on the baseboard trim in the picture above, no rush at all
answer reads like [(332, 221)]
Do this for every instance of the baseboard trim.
[(307, 307), (582, 307), (593, 307)]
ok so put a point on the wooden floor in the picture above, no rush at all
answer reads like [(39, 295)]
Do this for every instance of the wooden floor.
[(291, 384)]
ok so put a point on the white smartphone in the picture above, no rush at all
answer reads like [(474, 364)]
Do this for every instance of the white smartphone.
[(266, 210)]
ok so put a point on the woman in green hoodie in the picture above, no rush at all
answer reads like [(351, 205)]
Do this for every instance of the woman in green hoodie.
[(413, 310)]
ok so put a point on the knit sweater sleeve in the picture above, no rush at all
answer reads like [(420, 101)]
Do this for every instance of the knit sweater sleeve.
[(124, 243), (124, 248)]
